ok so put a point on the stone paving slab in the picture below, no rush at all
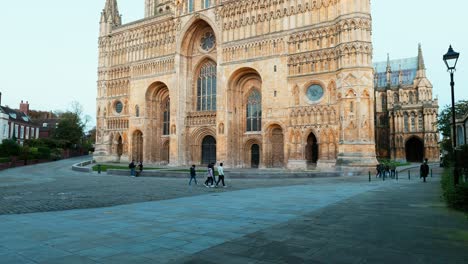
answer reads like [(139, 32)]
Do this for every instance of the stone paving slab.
[(162, 231), (405, 224)]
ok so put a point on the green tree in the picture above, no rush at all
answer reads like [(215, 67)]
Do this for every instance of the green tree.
[(70, 130), (445, 118)]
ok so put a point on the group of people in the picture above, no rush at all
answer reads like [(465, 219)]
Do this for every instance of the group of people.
[(210, 176), (133, 168), (385, 171)]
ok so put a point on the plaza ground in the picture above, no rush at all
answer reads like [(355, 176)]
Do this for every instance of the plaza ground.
[(156, 220)]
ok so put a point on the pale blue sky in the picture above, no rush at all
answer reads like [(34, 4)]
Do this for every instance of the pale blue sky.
[(48, 49)]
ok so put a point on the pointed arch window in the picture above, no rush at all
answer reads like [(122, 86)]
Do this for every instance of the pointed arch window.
[(190, 6), (406, 121), (166, 117), (254, 111), (413, 122), (137, 111), (384, 102), (206, 87), (421, 121)]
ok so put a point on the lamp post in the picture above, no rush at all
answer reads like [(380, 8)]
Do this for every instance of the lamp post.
[(451, 59)]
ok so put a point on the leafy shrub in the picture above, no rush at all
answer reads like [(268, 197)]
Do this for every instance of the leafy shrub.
[(455, 196), (9, 148)]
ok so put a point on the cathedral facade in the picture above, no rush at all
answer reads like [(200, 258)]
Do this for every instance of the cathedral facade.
[(406, 113), (252, 84)]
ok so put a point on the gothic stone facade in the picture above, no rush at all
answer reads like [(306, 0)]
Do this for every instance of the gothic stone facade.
[(406, 113), (249, 83)]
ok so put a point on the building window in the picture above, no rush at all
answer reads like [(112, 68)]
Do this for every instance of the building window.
[(22, 132), (384, 102), (118, 107), (27, 132), (206, 87), (206, 3), (413, 122), (406, 124), (44, 124), (254, 112), (411, 98), (190, 6), (166, 117), (137, 111), (421, 121), (32, 132), (395, 98)]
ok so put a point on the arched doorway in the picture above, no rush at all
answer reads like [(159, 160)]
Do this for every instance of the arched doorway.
[(414, 150), (255, 156), (165, 153), (312, 150), (208, 150), (137, 146), (119, 147), (277, 148)]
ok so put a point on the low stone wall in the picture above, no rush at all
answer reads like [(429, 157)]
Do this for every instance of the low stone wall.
[(82, 167)]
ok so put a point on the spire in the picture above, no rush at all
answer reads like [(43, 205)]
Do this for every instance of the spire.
[(110, 17), (389, 68), (421, 65)]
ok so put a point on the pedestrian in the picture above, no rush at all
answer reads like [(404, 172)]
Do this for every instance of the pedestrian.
[(209, 176), (140, 168), (193, 175), (99, 169), (393, 171), (424, 170), (132, 168), (220, 175), (378, 168), (387, 171)]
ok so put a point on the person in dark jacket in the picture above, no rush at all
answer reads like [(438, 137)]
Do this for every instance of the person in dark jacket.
[(193, 175), (132, 166), (140, 168), (424, 170)]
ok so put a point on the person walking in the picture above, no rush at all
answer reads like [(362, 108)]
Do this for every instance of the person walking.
[(220, 175), (209, 176), (379, 170), (424, 170), (140, 168), (193, 175), (393, 171), (132, 166)]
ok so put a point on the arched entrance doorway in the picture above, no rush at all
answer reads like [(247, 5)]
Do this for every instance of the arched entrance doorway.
[(312, 150), (119, 147), (277, 148), (255, 156), (137, 146), (208, 150), (414, 150)]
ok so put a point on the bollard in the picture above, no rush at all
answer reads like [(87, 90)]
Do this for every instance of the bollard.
[(409, 175), (396, 175), (431, 173), (369, 177)]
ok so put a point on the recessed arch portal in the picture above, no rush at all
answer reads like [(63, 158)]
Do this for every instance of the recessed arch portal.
[(414, 149), (208, 150), (312, 149)]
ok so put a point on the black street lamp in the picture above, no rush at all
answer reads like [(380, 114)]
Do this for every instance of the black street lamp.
[(451, 59)]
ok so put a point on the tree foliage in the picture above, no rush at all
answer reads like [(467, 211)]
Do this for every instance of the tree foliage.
[(445, 118), (69, 130)]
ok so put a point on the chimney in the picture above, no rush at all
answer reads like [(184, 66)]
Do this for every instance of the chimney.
[(24, 107)]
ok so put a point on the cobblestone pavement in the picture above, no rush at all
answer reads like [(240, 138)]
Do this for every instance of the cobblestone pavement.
[(55, 187), (344, 220)]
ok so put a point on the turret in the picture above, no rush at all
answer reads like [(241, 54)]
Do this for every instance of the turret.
[(110, 17)]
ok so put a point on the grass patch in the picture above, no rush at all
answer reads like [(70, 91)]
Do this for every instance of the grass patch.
[(391, 163), (105, 167), (199, 172), (455, 196)]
